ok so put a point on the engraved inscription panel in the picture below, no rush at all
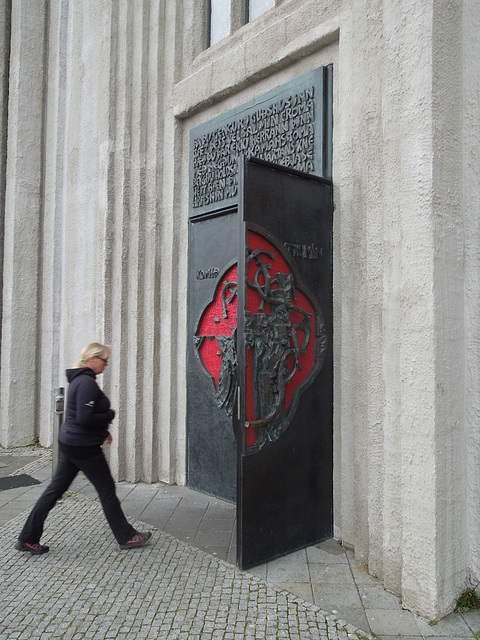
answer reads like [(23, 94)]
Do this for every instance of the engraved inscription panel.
[(285, 127), (282, 133)]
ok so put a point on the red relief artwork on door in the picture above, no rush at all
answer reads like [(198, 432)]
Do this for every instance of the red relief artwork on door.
[(285, 340)]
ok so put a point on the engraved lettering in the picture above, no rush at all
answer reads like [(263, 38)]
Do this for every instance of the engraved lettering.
[(282, 132), (305, 251), (206, 274)]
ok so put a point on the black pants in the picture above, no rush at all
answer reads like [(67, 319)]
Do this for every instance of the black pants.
[(96, 469)]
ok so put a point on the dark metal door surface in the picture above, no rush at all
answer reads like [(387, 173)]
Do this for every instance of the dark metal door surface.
[(284, 412), (211, 357)]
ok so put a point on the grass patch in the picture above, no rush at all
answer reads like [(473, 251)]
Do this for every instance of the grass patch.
[(467, 601)]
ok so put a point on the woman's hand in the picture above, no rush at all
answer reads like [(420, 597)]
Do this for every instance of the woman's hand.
[(108, 439)]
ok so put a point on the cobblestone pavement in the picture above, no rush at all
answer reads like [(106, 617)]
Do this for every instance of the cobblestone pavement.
[(185, 584), (85, 588)]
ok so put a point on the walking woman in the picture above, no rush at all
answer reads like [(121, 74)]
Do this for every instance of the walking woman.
[(87, 417)]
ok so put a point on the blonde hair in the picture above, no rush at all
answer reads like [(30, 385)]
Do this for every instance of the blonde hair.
[(91, 350)]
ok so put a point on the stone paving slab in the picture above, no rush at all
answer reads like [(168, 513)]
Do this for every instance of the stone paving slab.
[(84, 588), (23, 460)]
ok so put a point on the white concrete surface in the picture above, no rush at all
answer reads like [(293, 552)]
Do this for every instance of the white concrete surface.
[(96, 239)]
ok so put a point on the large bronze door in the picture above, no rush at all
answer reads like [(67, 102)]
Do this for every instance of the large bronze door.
[(259, 371), (285, 374)]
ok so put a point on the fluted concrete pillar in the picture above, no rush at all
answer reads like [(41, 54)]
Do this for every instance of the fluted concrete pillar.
[(23, 223), (5, 17)]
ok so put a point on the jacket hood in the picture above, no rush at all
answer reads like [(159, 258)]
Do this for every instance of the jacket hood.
[(80, 371)]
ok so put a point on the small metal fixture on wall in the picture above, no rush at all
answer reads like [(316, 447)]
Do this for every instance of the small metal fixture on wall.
[(58, 407)]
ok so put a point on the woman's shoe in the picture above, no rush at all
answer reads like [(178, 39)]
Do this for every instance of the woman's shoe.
[(32, 547), (139, 540)]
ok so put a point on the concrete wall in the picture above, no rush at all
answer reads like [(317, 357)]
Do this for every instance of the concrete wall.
[(96, 245), (470, 203), (5, 12), (22, 224), (88, 240)]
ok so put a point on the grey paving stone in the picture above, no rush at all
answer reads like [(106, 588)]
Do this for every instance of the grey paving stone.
[(382, 621), (329, 552), (44, 474), (212, 538), (337, 573), (376, 597), (355, 616), (472, 619), (396, 637), (10, 463), (99, 592), (216, 524), (301, 589), (279, 572), (451, 626), (360, 571)]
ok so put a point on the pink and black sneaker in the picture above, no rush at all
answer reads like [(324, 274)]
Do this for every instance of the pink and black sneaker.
[(138, 540), (32, 547)]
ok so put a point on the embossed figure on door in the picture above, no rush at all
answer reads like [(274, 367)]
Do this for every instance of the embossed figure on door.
[(285, 336)]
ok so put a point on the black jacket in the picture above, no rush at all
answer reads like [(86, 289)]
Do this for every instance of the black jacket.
[(88, 413)]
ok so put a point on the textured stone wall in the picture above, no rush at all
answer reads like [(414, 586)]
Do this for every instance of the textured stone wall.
[(22, 224), (90, 240), (102, 97), (4, 78), (469, 194)]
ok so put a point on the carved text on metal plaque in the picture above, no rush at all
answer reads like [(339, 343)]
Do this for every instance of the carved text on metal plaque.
[(282, 132)]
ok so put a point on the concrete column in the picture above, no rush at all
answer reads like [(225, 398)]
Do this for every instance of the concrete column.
[(139, 265), (5, 16), (425, 432), (23, 224), (471, 207), (400, 431), (51, 344)]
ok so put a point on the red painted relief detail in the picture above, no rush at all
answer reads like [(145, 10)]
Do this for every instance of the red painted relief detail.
[(213, 322), (278, 265), (284, 338)]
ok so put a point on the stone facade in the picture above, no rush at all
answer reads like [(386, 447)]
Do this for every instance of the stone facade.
[(98, 99)]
